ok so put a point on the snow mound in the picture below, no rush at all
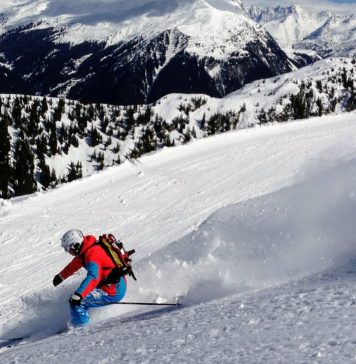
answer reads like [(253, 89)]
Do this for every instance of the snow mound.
[(266, 241)]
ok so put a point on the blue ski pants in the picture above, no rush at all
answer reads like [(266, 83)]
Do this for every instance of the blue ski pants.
[(96, 298)]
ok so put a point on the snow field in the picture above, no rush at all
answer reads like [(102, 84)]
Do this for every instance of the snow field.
[(250, 229)]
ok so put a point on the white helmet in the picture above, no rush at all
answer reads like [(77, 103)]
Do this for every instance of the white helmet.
[(72, 239)]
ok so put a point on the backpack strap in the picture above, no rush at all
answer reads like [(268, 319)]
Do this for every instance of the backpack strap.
[(114, 255)]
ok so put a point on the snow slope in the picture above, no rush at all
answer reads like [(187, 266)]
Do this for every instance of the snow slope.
[(252, 229)]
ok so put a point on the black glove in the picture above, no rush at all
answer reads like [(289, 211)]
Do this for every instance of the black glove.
[(57, 280), (75, 299)]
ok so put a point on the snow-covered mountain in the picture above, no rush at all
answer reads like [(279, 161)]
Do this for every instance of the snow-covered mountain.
[(253, 230), (337, 37), (134, 52), (296, 29), (290, 24)]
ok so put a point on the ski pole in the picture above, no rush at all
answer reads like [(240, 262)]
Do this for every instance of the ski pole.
[(147, 303)]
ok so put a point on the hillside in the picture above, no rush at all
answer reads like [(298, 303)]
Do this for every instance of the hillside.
[(48, 141), (252, 230)]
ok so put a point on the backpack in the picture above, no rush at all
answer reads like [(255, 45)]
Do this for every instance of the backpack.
[(120, 257)]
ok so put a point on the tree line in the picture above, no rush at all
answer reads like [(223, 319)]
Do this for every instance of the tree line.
[(36, 131)]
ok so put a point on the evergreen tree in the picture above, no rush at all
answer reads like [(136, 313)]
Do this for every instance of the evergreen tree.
[(41, 143), (16, 111), (117, 148), (91, 112), (95, 137), (319, 104), (72, 174), (130, 119), (63, 134), (351, 102), (104, 124), (74, 141), (100, 157), (74, 171), (65, 147), (186, 137), (344, 77), (33, 121), (136, 152), (24, 181), (108, 142), (101, 166), (262, 117), (45, 177), (53, 138), (299, 105), (148, 141), (93, 156), (5, 170), (218, 123), (53, 177), (145, 118), (202, 122), (79, 168), (44, 106), (59, 110)]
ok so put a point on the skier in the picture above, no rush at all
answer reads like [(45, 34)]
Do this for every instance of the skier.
[(100, 287)]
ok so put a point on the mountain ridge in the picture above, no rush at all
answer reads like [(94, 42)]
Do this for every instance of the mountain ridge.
[(296, 29), (218, 50)]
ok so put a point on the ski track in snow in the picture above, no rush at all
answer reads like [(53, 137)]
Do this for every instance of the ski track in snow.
[(251, 229)]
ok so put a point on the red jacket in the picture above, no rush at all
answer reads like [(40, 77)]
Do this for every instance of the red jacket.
[(98, 264)]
